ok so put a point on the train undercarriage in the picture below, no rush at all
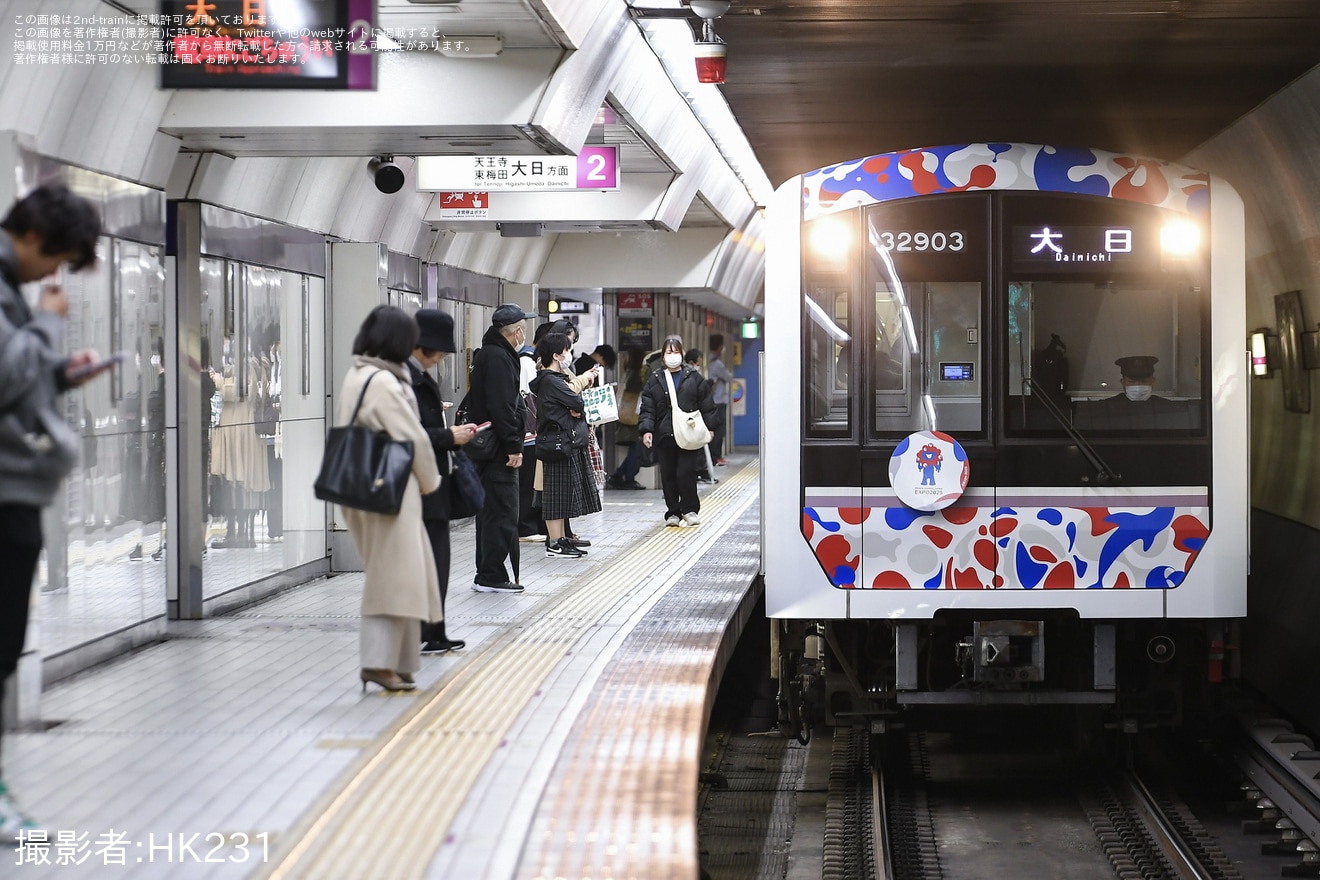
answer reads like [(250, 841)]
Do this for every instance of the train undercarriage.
[(1129, 674)]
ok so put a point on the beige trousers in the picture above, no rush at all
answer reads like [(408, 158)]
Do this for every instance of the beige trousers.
[(389, 642)]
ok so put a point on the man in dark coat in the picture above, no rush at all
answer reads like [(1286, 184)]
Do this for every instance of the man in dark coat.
[(434, 341), (495, 398)]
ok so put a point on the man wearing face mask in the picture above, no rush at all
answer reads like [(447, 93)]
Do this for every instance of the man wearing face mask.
[(494, 397), (1138, 408)]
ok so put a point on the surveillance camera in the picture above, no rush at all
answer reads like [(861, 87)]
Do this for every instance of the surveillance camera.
[(709, 9), (387, 176)]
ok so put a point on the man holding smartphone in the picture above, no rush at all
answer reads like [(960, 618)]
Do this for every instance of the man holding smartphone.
[(41, 233)]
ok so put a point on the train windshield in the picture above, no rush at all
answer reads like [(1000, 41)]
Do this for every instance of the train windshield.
[(1045, 314), (1105, 326)]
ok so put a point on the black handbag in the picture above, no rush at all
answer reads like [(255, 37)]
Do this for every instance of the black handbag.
[(466, 494), (553, 446), (645, 454), (364, 469), (482, 447)]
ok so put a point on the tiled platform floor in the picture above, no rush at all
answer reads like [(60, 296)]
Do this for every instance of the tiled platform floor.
[(247, 724)]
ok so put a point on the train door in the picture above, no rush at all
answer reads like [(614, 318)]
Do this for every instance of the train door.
[(925, 289)]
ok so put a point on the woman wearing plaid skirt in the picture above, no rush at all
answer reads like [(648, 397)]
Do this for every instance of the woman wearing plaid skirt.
[(569, 487)]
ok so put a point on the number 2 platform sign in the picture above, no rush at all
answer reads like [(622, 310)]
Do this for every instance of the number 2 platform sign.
[(594, 168)]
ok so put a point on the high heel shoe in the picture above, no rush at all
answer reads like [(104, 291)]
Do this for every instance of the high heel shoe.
[(407, 678), (386, 678)]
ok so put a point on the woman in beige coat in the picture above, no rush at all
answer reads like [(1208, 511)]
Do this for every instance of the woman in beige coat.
[(400, 589)]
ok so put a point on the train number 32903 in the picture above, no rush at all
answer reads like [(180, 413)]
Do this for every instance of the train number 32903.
[(907, 242)]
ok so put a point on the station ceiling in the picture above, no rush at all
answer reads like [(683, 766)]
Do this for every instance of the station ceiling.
[(815, 82)]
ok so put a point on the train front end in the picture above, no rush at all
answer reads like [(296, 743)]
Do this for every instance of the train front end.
[(1005, 433)]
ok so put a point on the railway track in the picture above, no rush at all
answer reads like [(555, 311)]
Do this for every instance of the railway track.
[(956, 806)]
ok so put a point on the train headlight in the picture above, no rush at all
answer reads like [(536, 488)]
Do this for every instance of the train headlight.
[(830, 239), (1180, 239)]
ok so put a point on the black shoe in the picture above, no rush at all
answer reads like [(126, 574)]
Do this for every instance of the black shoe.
[(506, 587), (443, 646), (633, 484), (613, 483), (577, 542), (135, 554), (562, 549)]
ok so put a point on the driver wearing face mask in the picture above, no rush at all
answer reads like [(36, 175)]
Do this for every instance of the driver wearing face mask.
[(1138, 408), (1138, 376)]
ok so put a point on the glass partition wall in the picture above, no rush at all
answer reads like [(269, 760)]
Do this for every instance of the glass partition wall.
[(263, 391), (263, 352), (107, 523)]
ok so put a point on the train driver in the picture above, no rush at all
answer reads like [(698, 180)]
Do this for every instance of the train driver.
[(1137, 408)]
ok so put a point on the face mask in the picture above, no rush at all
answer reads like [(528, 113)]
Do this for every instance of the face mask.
[(673, 361), (1137, 392), (562, 360)]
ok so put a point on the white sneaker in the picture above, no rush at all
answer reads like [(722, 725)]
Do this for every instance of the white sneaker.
[(673, 521), (534, 539), (691, 519), (13, 821)]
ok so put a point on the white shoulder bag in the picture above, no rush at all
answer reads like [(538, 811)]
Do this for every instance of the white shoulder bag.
[(690, 431)]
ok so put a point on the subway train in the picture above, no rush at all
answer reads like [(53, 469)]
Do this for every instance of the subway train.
[(1005, 443)]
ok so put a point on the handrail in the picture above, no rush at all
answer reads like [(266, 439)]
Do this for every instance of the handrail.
[(1104, 473)]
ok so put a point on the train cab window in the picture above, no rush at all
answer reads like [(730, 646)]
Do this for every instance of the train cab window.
[(1108, 357)]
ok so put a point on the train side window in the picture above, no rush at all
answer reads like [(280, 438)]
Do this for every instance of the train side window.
[(829, 360)]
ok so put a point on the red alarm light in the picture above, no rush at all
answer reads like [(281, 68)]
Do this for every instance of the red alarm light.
[(711, 61)]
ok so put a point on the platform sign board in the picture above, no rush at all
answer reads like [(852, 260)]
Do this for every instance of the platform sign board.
[(595, 168), (636, 332), (253, 44), (635, 304), (463, 205)]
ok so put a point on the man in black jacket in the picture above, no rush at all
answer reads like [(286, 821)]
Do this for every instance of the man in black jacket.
[(434, 341), (494, 398)]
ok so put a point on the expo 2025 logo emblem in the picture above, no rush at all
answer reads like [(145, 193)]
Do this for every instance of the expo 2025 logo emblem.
[(928, 470)]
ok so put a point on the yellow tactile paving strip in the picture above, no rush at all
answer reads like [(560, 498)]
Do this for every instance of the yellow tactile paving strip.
[(382, 819)]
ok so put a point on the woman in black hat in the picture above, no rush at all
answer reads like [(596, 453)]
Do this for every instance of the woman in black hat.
[(436, 340)]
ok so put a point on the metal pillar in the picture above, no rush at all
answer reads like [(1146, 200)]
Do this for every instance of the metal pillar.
[(184, 468)]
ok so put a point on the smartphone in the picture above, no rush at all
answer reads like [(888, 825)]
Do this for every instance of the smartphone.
[(94, 368), (483, 426)]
